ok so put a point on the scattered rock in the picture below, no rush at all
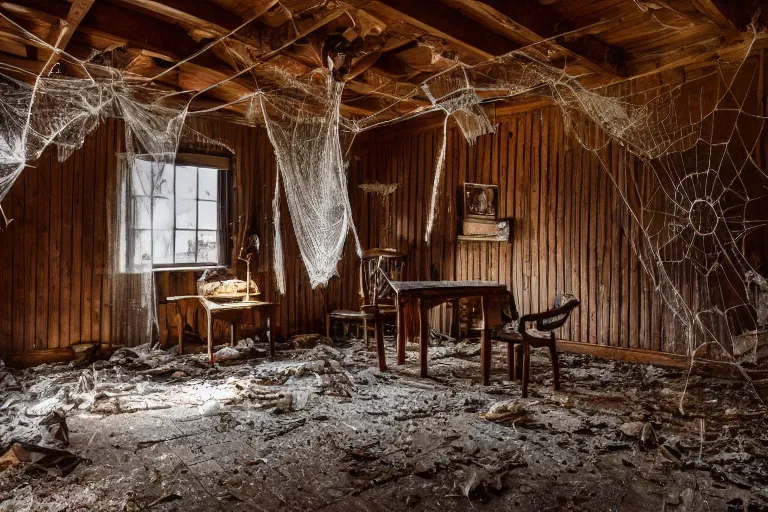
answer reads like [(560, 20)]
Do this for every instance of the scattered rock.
[(210, 407)]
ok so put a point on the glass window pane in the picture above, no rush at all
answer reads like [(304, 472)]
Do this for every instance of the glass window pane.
[(141, 178), (162, 216), (186, 213), (142, 216), (185, 246), (209, 183), (142, 248), (207, 217), (186, 182), (162, 247), (163, 180), (206, 247)]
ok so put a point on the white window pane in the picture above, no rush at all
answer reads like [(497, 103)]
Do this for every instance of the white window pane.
[(162, 216), (185, 247), (207, 216), (142, 216), (206, 247), (209, 183), (163, 180), (186, 214), (162, 247), (186, 182), (141, 178), (142, 248)]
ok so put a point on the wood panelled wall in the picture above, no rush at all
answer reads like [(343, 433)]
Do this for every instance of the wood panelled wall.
[(568, 233), (54, 289)]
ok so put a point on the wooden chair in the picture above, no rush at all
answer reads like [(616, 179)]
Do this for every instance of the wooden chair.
[(542, 336), (378, 303)]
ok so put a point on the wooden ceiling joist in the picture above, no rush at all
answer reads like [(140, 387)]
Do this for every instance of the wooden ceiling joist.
[(436, 18), (67, 28), (534, 23), (729, 15), (397, 43)]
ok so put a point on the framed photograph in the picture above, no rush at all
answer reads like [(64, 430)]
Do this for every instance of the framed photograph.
[(481, 202)]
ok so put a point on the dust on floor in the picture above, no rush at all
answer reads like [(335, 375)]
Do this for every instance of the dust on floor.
[(320, 428)]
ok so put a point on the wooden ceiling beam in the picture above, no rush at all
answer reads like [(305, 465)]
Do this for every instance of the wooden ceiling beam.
[(67, 28), (534, 23), (435, 18), (728, 15), (200, 15)]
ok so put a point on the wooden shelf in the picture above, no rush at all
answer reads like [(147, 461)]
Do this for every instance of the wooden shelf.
[(464, 238)]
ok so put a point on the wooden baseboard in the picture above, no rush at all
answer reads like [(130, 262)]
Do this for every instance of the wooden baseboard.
[(32, 358), (637, 355)]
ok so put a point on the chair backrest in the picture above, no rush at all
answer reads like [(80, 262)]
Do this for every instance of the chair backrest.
[(553, 318), (373, 264)]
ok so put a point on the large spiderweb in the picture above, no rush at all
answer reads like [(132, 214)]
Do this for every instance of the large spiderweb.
[(700, 158), (698, 198)]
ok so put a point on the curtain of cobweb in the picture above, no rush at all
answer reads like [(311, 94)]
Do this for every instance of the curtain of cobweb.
[(691, 175), (61, 112), (454, 93), (142, 222), (305, 133)]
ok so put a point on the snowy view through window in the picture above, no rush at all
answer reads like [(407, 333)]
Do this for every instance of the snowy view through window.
[(177, 222)]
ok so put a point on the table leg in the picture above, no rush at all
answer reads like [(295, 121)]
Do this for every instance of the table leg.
[(180, 327), (485, 348), (233, 328), (271, 338), (401, 332), (455, 319), (423, 335), (210, 337)]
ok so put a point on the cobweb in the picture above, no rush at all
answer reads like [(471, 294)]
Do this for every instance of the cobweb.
[(695, 192), (313, 170)]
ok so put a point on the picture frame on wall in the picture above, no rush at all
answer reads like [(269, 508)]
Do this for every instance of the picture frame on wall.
[(481, 202)]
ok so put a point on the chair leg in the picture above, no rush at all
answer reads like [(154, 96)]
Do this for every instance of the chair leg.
[(526, 368), (365, 332), (555, 364), (328, 325), (380, 343), (511, 361)]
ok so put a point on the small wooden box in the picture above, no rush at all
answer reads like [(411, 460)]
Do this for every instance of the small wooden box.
[(496, 230)]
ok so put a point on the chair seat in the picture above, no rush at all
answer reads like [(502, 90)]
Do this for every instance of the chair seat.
[(507, 337), (346, 314)]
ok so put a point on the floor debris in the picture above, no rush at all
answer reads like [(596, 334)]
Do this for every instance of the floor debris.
[(320, 428)]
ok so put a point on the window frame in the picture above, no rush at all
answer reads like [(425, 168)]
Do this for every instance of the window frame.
[(223, 196)]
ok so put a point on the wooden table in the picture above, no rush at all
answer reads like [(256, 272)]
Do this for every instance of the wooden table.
[(429, 294), (227, 311)]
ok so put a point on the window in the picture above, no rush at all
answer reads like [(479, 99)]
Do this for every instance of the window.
[(177, 215)]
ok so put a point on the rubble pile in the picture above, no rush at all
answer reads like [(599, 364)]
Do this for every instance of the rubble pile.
[(320, 428)]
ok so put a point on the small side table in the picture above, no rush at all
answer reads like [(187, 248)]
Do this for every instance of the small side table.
[(228, 311)]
